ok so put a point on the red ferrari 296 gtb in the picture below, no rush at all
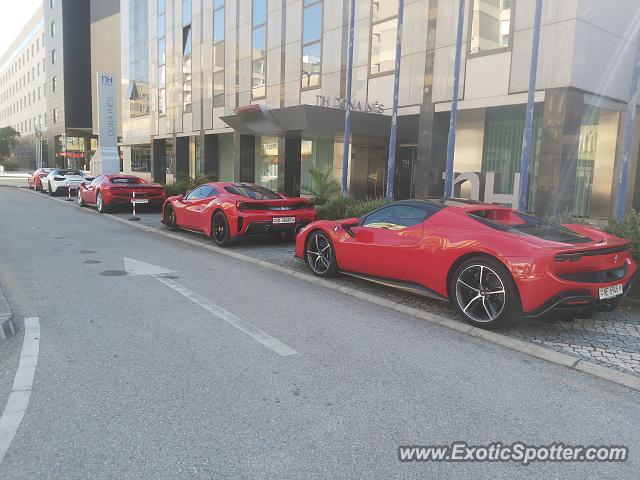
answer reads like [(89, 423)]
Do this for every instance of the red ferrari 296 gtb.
[(493, 263), (225, 211)]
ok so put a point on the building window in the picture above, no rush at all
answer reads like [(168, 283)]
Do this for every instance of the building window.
[(384, 28), (490, 25), (311, 43), (140, 158), (259, 50), (218, 53), (162, 58), (53, 29), (54, 83), (138, 90), (55, 115), (266, 162), (53, 56), (186, 55)]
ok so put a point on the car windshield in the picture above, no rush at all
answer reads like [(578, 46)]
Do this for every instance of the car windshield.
[(126, 180), (254, 192), (518, 222)]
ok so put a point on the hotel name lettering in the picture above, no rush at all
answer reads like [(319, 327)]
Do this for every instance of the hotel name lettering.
[(341, 103)]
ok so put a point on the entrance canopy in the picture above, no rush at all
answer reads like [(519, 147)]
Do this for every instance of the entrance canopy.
[(256, 120)]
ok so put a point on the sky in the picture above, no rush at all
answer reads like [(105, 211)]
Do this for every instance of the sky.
[(14, 14)]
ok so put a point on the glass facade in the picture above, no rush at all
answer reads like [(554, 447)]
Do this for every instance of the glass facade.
[(259, 49), (138, 88), (187, 45), (266, 162), (140, 158), (162, 59), (490, 25), (384, 27), (316, 160), (311, 43), (218, 53)]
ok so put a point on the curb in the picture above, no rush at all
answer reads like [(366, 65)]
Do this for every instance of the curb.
[(538, 351), (8, 326)]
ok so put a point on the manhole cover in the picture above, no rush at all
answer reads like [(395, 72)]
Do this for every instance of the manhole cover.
[(113, 273)]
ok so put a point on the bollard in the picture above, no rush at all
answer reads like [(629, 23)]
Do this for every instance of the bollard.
[(69, 199), (133, 217)]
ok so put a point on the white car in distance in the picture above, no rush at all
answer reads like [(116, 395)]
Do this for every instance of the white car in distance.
[(63, 179)]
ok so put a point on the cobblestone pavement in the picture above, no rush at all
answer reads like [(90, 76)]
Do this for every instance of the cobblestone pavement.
[(611, 339)]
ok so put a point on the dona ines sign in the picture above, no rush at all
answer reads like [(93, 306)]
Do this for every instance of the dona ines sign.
[(342, 104), (482, 187)]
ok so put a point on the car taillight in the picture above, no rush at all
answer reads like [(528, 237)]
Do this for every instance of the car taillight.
[(241, 206)]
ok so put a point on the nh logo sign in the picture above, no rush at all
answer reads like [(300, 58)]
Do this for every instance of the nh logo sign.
[(483, 187), (106, 79)]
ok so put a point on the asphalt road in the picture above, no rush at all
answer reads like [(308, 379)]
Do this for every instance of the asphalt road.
[(140, 377)]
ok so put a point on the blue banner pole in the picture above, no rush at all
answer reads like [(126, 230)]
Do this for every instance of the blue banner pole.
[(394, 116), (627, 140), (527, 136), (347, 111), (451, 142)]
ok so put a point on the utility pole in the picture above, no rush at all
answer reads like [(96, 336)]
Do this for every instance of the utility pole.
[(347, 111), (525, 158), (394, 116), (451, 143)]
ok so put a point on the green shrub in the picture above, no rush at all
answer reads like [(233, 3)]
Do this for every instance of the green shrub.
[(337, 208), (627, 227), (183, 185), (326, 186)]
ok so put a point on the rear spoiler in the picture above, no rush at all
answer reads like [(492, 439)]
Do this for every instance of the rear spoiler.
[(592, 252)]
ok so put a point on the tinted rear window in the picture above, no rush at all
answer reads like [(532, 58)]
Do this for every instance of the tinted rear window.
[(68, 172), (518, 222), (126, 181), (253, 192)]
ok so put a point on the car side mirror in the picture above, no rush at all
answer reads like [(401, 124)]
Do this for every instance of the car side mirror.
[(180, 198), (350, 223)]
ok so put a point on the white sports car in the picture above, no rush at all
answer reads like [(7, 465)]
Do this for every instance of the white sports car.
[(63, 179)]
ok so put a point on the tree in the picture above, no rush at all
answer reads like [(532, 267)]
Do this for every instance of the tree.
[(8, 138), (324, 186)]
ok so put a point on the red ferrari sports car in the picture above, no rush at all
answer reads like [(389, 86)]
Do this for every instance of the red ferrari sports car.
[(35, 179), (493, 263), (106, 191), (226, 211)]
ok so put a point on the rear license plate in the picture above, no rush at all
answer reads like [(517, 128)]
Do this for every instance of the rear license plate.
[(279, 220), (139, 200), (612, 291)]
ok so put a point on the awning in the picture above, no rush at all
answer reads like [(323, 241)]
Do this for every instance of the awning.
[(256, 120)]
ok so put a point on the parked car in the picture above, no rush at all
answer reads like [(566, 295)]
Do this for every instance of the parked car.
[(493, 263), (226, 211), (34, 179), (106, 191), (63, 179)]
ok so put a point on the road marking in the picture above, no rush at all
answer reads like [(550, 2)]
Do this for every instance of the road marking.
[(254, 332), (18, 400), (136, 267)]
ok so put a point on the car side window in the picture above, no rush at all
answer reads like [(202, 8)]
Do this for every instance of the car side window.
[(395, 217), (208, 191), (96, 180), (195, 194)]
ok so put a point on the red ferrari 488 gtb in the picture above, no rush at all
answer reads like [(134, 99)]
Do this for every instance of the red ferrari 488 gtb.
[(35, 182), (225, 211), (493, 263)]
